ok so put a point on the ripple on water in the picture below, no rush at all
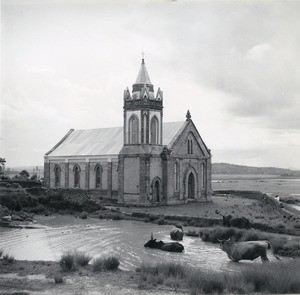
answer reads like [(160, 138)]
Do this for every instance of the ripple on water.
[(123, 239)]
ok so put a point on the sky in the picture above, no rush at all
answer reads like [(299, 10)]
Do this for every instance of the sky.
[(234, 64)]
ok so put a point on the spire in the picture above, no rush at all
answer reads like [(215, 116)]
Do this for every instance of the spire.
[(143, 76)]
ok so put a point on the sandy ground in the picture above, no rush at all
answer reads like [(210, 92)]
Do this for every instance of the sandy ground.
[(37, 277)]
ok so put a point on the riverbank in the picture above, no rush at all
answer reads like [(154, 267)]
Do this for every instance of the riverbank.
[(38, 277)]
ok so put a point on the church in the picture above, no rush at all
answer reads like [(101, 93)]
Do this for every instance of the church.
[(146, 162)]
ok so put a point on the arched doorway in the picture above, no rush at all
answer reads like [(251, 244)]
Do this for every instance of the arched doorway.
[(191, 186), (156, 191)]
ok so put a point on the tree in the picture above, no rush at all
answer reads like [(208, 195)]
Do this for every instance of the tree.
[(24, 175), (2, 166), (33, 177)]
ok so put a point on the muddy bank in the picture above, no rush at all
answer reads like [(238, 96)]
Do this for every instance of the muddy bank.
[(37, 277)]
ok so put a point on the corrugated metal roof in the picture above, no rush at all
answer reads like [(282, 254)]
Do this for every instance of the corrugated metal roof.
[(105, 141)]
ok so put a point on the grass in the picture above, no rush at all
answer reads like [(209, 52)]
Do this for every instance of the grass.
[(81, 258), (9, 258), (67, 262), (273, 277), (58, 279), (106, 263)]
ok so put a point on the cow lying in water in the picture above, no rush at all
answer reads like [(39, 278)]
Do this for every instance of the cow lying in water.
[(250, 250), (176, 233), (170, 247)]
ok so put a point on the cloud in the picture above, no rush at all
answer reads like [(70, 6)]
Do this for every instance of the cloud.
[(258, 52)]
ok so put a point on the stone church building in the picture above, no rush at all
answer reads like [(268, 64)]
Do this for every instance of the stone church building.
[(145, 162)]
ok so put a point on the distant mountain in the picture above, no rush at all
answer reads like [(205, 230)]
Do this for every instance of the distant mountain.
[(225, 168)]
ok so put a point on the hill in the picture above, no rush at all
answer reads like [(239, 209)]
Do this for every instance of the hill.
[(225, 168)]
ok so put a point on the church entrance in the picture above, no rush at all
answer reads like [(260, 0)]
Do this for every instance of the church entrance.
[(191, 186), (156, 191)]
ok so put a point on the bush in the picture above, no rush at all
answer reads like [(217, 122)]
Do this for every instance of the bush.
[(82, 259), (67, 262), (192, 233), (58, 279), (9, 258), (160, 221), (106, 263), (83, 215)]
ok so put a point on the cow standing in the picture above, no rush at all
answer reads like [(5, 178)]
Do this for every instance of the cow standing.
[(250, 250)]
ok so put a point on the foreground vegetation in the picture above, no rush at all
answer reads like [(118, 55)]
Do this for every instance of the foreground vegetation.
[(272, 277), (243, 278)]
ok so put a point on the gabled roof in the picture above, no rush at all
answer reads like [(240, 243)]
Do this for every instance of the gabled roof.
[(143, 76), (104, 141)]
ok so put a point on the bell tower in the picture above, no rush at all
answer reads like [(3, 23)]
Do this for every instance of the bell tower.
[(143, 113)]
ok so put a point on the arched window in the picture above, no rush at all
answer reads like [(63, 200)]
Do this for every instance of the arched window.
[(57, 174), (145, 128), (133, 133), (176, 176), (77, 176), (154, 130), (98, 176), (190, 146)]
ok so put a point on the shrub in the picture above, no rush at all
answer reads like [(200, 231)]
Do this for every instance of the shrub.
[(117, 217), (67, 262), (160, 221), (9, 258), (192, 233), (82, 259), (58, 279), (106, 263), (83, 215)]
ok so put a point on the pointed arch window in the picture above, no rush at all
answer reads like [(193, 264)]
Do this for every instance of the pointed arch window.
[(133, 133), (57, 175), (76, 176), (176, 176), (154, 130), (190, 146), (98, 176)]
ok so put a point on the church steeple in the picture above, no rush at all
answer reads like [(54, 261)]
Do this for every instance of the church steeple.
[(143, 76), (143, 111)]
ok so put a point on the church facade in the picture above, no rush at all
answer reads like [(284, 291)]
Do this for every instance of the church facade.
[(146, 162)]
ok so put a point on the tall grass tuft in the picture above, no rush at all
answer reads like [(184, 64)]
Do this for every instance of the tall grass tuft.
[(273, 277), (67, 262), (58, 279), (106, 263), (9, 258), (206, 282), (81, 258)]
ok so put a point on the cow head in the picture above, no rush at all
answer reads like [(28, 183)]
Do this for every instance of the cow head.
[(151, 243), (224, 244)]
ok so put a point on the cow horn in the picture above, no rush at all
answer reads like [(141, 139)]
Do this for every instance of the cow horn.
[(151, 236), (228, 240), (220, 240)]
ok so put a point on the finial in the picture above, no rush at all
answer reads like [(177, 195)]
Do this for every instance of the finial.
[(143, 56), (188, 115)]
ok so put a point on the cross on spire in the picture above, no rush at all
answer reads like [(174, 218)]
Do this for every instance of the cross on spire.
[(143, 56)]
